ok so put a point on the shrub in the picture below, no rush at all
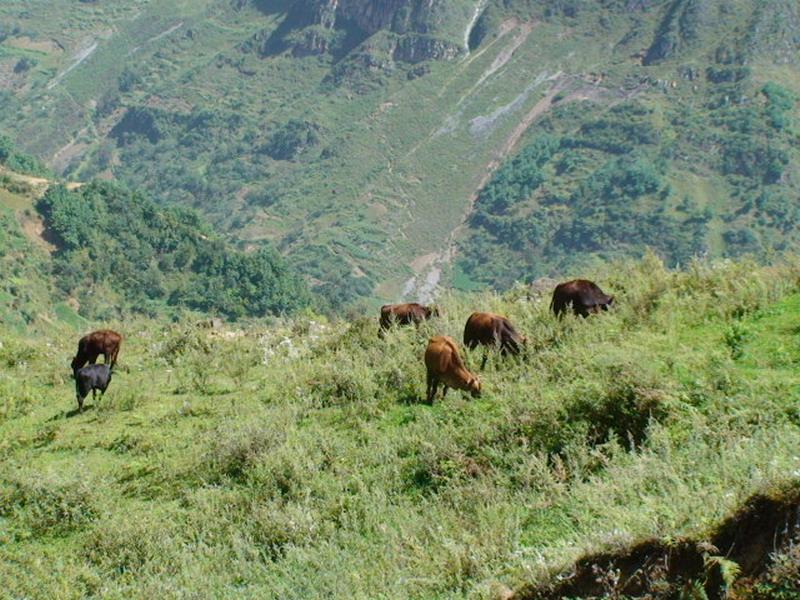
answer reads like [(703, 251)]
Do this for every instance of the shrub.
[(47, 505)]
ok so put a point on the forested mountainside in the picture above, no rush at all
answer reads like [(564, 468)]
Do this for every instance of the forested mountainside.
[(98, 251), (387, 147)]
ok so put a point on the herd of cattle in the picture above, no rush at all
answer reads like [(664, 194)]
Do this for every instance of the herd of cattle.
[(443, 359)]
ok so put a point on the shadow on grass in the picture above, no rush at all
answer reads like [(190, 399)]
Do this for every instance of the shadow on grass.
[(412, 399), (75, 412)]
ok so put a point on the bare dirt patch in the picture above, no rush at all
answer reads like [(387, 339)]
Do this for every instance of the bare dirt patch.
[(657, 569), (34, 229)]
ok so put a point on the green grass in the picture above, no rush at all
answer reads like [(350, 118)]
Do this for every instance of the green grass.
[(240, 464)]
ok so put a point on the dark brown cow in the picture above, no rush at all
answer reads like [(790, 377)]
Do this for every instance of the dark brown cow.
[(405, 314), (585, 297), (491, 330), (104, 341), (444, 365)]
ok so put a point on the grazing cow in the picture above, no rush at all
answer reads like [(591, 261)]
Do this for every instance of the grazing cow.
[(405, 314), (584, 295), (489, 329), (444, 364), (104, 341), (90, 379)]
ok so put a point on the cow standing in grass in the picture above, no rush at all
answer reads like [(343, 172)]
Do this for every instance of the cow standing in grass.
[(445, 365), (491, 330), (405, 314), (104, 341), (90, 379), (585, 297)]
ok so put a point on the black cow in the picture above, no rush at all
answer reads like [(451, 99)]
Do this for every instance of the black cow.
[(90, 379), (585, 297)]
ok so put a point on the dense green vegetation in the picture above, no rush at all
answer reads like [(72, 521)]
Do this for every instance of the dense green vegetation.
[(20, 162), (603, 185), (297, 460), (117, 250)]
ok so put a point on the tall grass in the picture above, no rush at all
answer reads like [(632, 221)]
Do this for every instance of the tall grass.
[(296, 460)]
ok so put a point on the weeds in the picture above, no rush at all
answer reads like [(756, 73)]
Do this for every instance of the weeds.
[(319, 473)]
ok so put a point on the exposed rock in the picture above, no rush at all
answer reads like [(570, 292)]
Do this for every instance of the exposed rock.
[(774, 31), (679, 28), (336, 26), (416, 48)]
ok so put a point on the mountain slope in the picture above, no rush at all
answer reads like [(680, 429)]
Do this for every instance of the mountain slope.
[(357, 135), (294, 460), (71, 252)]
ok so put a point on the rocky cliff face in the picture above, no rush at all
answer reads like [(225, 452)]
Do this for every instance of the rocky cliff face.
[(422, 29), (398, 16)]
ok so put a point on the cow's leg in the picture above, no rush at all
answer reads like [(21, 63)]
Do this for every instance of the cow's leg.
[(433, 384), (93, 358), (429, 387), (485, 358), (444, 391)]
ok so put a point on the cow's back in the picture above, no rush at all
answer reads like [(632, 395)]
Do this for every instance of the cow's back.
[(442, 355), (581, 293), (478, 329), (404, 314), (103, 340)]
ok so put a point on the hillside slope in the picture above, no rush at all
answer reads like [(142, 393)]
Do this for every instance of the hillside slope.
[(358, 135), (72, 251), (297, 460)]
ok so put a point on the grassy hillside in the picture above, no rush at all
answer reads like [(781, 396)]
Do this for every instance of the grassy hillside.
[(297, 461), (356, 136)]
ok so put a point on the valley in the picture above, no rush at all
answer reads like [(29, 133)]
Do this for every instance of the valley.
[(355, 140)]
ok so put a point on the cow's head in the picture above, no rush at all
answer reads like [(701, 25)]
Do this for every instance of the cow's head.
[(474, 386), (432, 311), (609, 303)]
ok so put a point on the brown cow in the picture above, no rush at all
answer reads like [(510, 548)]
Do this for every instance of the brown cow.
[(444, 364), (405, 314), (104, 341), (584, 296), (489, 329)]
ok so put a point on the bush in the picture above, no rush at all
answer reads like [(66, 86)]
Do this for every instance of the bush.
[(48, 506), (111, 237)]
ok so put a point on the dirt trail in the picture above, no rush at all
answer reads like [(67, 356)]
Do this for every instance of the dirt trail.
[(157, 37), (31, 222), (501, 59), (423, 285), (37, 182)]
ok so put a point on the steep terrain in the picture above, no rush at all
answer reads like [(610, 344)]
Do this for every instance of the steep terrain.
[(71, 252), (357, 135), (295, 458)]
